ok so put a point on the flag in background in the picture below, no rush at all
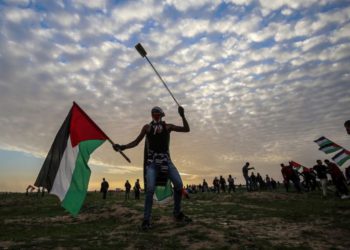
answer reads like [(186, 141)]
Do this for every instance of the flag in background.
[(297, 166), (65, 171), (341, 157), (330, 148), (322, 141), (326, 145)]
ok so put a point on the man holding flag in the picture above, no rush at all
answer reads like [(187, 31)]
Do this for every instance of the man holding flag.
[(157, 156), (321, 171), (338, 179)]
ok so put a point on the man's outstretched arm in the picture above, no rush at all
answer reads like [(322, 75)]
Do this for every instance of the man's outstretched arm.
[(185, 127), (134, 143)]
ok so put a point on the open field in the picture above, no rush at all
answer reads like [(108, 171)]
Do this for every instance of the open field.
[(260, 220)]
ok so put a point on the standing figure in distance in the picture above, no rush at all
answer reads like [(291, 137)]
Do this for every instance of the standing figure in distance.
[(245, 170), (137, 189), (104, 188), (127, 186)]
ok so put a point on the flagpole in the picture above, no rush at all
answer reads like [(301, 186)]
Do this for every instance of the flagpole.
[(121, 152)]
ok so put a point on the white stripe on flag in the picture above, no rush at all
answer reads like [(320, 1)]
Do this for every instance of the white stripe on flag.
[(65, 171), (323, 142), (341, 157)]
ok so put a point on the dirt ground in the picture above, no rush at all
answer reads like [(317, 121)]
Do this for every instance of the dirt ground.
[(261, 220)]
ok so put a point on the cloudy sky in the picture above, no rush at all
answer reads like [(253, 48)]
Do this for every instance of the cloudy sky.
[(259, 81)]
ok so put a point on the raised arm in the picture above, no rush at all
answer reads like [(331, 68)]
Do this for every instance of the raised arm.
[(184, 128), (135, 142)]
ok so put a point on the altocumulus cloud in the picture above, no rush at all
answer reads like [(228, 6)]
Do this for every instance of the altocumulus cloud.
[(259, 79)]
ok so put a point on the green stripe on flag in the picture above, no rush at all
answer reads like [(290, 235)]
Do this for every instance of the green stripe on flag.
[(76, 193), (330, 148), (342, 161), (341, 157), (162, 193), (323, 142)]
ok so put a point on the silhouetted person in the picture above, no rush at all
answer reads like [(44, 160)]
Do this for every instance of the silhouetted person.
[(104, 188), (273, 184), (205, 186), (29, 189), (286, 173), (253, 182), (321, 171), (338, 179), (268, 182), (231, 184), (245, 170), (157, 155), (216, 185), (313, 181), (127, 189), (260, 180), (137, 189), (222, 184), (295, 178), (306, 175)]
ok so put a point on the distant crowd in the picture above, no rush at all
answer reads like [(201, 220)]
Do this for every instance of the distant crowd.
[(303, 179), (313, 178), (307, 180)]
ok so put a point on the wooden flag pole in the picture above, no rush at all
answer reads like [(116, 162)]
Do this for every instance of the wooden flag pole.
[(121, 152)]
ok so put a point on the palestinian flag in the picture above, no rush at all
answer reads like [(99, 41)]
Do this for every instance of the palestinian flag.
[(65, 171), (341, 157), (297, 166), (330, 148), (322, 141), (163, 194)]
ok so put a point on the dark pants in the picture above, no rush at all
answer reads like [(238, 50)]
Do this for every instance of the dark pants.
[(137, 194), (341, 186), (296, 182), (286, 184), (174, 177), (104, 194), (127, 192), (231, 187), (247, 182)]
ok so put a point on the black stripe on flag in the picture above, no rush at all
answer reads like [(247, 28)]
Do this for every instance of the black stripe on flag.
[(51, 164), (329, 145)]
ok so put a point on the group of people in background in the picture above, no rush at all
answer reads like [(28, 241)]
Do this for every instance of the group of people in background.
[(30, 190), (257, 182), (320, 172), (127, 186), (221, 185), (315, 178), (309, 179)]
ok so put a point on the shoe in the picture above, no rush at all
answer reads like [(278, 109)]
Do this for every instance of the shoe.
[(181, 217), (145, 225)]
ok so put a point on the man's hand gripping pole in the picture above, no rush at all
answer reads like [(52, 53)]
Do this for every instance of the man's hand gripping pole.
[(120, 151)]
